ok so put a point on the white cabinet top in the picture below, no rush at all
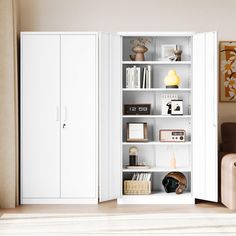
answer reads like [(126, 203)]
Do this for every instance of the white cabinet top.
[(158, 34)]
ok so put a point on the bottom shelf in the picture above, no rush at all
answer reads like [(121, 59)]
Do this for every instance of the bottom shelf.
[(157, 198)]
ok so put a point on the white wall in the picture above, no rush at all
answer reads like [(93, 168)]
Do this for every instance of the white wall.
[(131, 15)]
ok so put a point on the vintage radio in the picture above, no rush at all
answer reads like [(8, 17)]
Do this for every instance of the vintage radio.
[(173, 135)]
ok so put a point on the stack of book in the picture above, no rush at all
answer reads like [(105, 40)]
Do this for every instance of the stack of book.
[(142, 176), (133, 77)]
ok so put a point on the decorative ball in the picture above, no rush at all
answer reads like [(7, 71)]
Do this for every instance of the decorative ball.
[(133, 151)]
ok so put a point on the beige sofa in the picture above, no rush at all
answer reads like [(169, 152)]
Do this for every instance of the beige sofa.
[(227, 167)]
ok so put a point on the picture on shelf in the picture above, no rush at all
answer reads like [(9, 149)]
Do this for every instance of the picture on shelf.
[(167, 51), (177, 107), (137, 132), (166, 103)]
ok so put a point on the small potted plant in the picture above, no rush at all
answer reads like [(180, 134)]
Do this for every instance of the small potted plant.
[(139, 48)]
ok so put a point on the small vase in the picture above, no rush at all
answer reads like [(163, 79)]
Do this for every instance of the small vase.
[(173, 162), (139, 50)]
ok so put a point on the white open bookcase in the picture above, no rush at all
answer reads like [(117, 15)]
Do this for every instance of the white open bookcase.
[(154, 153)]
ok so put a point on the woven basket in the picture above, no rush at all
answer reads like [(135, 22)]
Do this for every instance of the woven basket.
[(137, 187)]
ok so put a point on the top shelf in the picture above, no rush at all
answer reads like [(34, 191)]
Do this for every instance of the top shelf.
[(156, 62)]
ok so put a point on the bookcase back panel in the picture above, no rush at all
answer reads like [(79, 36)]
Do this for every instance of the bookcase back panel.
[(159, 72), (155, 125), (158, 177), (156, 101), (156, 181), (184, 43), (145, 154), (156, 45), (164, 154), (151, 126), (160, 157)]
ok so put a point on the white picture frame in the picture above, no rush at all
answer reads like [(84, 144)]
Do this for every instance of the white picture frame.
[(137, 132), (167, 50), (177, 107)]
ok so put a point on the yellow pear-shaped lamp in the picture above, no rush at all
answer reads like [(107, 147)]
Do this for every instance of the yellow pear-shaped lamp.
[(172, 80)]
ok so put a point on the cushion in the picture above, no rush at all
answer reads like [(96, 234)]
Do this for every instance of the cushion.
[(228, 133), (228, 147)]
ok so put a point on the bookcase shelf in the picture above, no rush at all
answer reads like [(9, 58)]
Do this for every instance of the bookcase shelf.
[(156, 143), (157, 90), (157, 116), (159, 169), (157, 198), (156, 62)]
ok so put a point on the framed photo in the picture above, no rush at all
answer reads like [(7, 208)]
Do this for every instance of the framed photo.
[(227, 71), (167, 50), (137, 132), (177, 107), (166, 103)]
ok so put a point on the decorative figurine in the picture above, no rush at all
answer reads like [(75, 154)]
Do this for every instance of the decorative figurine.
[(178, 53)]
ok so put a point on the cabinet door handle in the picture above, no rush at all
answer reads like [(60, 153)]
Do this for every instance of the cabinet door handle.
[(57, 113), (65, 114)]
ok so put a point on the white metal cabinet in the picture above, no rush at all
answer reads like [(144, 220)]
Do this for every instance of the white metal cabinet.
[(59, 118), (40, 124), (63, 66)]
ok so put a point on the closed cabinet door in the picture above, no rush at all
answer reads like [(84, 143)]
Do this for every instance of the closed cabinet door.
[(40, 116), (79, 116)]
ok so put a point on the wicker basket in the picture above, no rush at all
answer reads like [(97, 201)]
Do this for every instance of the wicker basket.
[(137, 187)]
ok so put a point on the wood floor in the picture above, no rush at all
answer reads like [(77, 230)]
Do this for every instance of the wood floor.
[(108, 218), (112, 208)]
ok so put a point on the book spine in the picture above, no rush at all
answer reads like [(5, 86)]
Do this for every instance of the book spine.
[(149, 77), (136, 77), (144, 77), (139, 77), (127, 77)]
